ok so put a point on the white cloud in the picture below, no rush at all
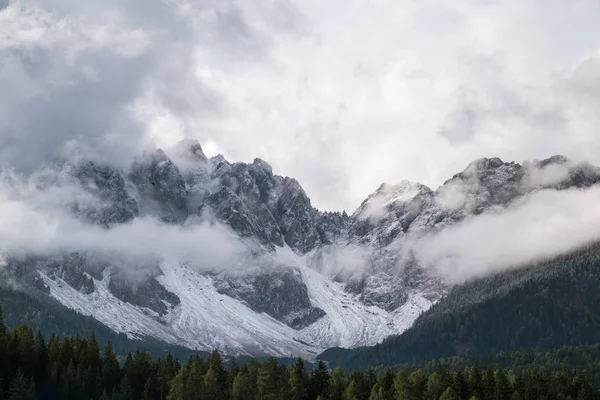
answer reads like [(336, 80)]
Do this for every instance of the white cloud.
[(35, 220), (539, 226), (340, 95)]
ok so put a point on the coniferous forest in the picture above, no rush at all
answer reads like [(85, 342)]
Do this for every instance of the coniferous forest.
[(76, 368)]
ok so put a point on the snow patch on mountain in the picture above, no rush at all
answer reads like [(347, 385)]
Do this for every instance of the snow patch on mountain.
[(205, 319)]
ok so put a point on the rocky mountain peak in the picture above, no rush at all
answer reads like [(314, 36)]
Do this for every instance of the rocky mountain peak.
[(556, 159), (115, 206), (388, 195), (161, 187), (190, 150), (262, 164)]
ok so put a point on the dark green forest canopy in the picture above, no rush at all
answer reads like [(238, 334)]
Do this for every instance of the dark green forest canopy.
[(543, 306), (76, 368)]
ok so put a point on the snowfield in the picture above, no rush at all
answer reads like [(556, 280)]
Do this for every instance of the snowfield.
[(206, 319)]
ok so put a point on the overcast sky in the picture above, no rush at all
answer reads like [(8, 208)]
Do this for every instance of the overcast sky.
[(340, 94)]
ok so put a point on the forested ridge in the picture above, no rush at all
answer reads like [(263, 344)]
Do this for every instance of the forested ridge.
[(76, 368), (540, 307)]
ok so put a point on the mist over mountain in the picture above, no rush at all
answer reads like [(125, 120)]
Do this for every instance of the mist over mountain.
[(204, 253)]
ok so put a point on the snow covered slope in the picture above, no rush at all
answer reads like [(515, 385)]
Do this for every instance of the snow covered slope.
[(205, 319)]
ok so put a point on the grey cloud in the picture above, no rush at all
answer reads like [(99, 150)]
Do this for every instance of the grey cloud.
[(68, 96), (230, 74)]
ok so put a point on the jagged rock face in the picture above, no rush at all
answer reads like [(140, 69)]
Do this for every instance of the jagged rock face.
[(483, 184), (161, 187), (243, 201), (146, 293), (296, 217), (75, 269), (281, 294), (394, 211), (108, 185), (331, 226), (390, 212), (257, 204)]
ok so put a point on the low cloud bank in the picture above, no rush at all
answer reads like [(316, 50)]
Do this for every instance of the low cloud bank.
[(35, 220), (541, 225)]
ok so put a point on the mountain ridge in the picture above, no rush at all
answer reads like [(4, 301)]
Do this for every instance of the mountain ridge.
[(307, 279)]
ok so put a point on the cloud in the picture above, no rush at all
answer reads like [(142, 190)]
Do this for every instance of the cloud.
[(35, 219), (340, 96), (538, 226)]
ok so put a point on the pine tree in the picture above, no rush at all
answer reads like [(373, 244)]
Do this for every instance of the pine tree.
[(586, 393), (150, 390), (460, 385), (418, 383), (111, 370), (267, 381), (244, 385), (403, 388), (319, 381), (351, 392), (164, 375), (178, 385), (2, 326), (92, 356), (194, 379), (435, 386), (339, 382), (41, 357), (215, 379), (376, 392), (502, 390), (105, 396), (488, 384), (22, 388), (124, 392), (298, 381), (232, 371), (450, 394), (212, 387), (474, 381)]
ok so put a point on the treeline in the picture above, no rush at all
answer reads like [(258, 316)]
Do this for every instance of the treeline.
[(201, 380), (75, 368), (548, 305)]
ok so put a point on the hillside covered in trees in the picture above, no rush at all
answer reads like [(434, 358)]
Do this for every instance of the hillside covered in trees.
[(75, 368), (543, 306)]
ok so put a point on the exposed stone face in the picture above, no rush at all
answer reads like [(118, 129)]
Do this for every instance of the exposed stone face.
[(229, 208), (108, 185), (331, 226), (76, 269), (147, 293), (280, 294), (296, 217), (161, 187), (389, 212), (272, 209)]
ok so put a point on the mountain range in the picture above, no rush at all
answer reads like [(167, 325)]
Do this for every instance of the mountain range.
[(294, 280)]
